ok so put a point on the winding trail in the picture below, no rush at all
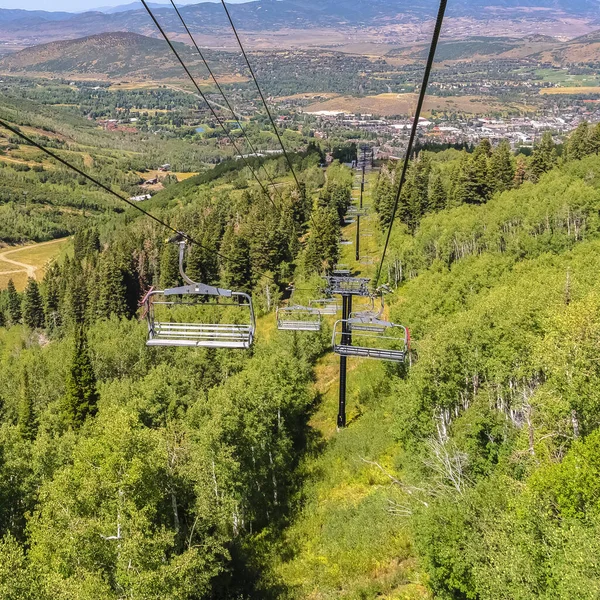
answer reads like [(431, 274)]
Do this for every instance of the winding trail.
[(31, 270)]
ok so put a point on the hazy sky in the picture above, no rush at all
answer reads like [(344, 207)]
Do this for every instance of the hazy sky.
[(81, 5)]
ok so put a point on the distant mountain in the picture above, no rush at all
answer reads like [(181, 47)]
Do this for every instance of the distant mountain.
[(106, 55), (28, 28), (272, 14), (111, 10), (9, 15)]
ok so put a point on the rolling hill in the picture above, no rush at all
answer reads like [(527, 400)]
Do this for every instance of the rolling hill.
[(109, 55)]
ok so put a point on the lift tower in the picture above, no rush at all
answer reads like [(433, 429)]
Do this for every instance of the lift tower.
[(347, 288), (363, 164)]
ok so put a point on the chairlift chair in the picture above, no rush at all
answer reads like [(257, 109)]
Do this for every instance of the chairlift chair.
[(347, 286), (368, 313), (341, 270), (326, 306), (371, 338), (177, 330), (298, 318)]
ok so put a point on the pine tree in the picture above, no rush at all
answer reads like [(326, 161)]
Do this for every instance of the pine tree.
[(33, 306), (502, 171), (544, 157), (14, 303), (81, 397), (520, 171), (580, 144), (437, 197), (75, 293), (474, 180), (385, 198), (595, 139), (484, 148), (52, 297), (235, 270), (169, 266), (112, 296), (25, 418), (92, 242), (322, 248)]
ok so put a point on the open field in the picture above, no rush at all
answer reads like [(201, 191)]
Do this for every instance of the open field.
[(28, 261), (404, 104), (571, 90)]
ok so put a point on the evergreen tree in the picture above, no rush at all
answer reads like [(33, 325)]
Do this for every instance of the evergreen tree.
[(580, 143), (76, 293), (33, 306), (52, 296), (112, 296), (92, 242), (14, 303), (414, 199), (474, 183), (520, 171), (385, 197), (81, 397), (25, 420), (595, 139), (169, 266), (235, 270), (322, 248), (437, 197), (502, 171), (484, 148), (544, 157)]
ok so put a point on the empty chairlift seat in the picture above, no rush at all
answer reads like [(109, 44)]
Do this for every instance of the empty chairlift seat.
[(371, 338), (298, 318), (326, 306), (199, 316)]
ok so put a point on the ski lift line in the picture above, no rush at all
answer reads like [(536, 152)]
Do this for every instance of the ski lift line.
[(422, 93), (226, 100), (203, 96), (113, 193), (262, 97)]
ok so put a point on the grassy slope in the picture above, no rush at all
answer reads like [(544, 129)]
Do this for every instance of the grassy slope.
[(346, 543)]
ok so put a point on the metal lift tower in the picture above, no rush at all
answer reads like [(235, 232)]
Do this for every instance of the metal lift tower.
[(347, 288)]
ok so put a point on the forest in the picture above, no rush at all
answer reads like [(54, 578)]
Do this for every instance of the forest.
[(147, 473)]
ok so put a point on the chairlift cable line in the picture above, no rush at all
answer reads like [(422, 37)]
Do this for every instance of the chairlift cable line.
[(262, 97), (203, 96), (221, 91), (112, 192), (423, 92)]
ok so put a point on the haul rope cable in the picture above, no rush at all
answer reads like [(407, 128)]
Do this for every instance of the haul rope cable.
[(203, 96), (262, 97), (221, 91), (415, 125), (311, 220)]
